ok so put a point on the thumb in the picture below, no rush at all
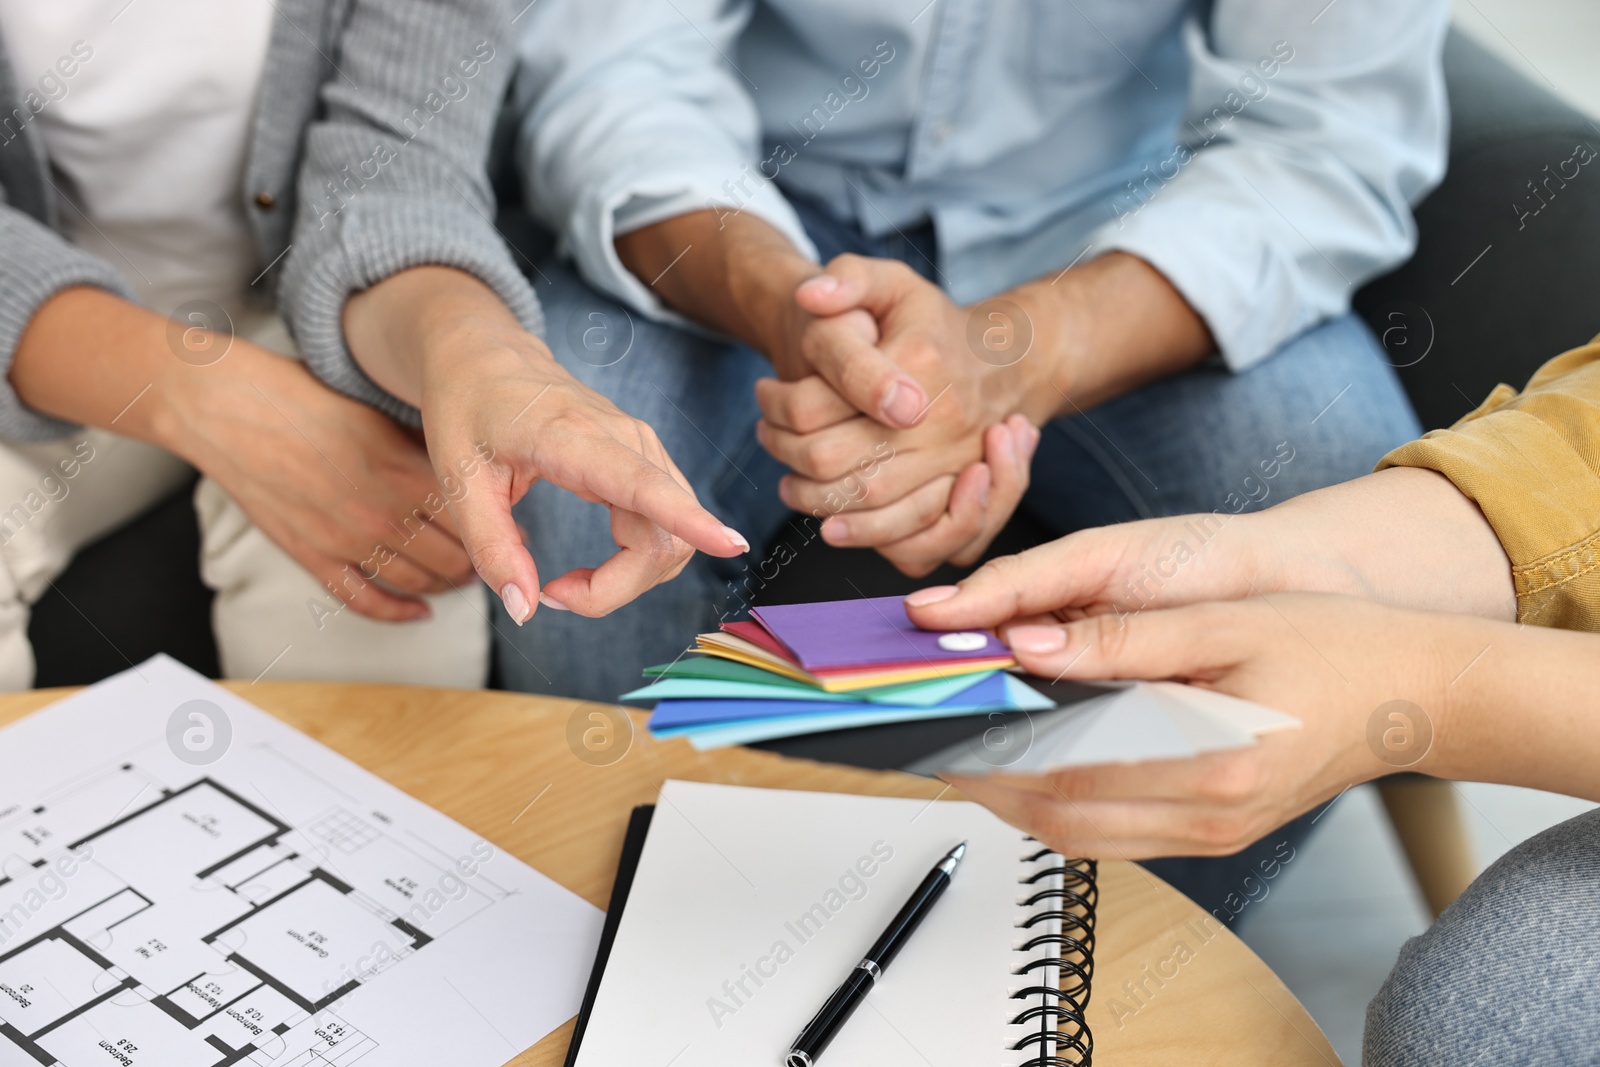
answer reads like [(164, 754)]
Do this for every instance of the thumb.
[(851, 300), (851, 281), (1182, 643), (494, 543), (842, 350)]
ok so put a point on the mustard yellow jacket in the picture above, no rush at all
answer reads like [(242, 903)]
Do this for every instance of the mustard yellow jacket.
[(1531, 461)]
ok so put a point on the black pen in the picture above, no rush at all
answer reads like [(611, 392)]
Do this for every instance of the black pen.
[(839, 1007)]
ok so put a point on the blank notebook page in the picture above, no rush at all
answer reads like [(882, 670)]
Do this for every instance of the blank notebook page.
[(750, 906)]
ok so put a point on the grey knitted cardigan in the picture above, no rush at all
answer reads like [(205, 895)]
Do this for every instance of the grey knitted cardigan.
[(367, 156)]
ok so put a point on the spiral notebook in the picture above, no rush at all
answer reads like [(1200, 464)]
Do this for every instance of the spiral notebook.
[(737, 911)]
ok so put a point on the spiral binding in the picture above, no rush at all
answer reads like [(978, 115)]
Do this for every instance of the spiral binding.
[(1058, 942)]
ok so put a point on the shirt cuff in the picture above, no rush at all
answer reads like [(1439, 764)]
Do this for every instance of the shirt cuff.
[(37, 265), (379, 237)]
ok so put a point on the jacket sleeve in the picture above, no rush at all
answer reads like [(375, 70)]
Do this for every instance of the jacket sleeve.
[(1531, 461), (395, 172), (633, 111), (35, 264), (1305, 144)]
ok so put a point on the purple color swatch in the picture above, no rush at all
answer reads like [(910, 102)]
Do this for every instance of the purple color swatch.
[(860, 633)]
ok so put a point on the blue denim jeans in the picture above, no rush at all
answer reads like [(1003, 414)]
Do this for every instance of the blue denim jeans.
[(1507, 975), (1327, 401)]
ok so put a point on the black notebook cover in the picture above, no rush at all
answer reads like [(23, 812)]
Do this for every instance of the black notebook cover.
[(632, 849)]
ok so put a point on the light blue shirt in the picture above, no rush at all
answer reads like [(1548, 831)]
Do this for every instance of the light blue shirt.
[(1262, 154)]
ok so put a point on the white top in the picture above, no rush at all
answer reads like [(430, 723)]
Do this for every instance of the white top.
[(148, 133)]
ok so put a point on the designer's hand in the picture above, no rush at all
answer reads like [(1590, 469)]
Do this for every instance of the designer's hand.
[(1119, 570), (345, 492), (1403, 536), (488, 390), (503, 393), (1331, 661), (924, 393)]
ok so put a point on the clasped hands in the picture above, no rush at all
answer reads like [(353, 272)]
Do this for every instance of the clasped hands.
[(909, 422)]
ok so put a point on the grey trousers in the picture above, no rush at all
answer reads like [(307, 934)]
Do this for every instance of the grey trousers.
[(1510, 973)]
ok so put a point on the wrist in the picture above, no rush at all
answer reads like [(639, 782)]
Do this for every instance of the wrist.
[(394, 327), (190, 409), (1059, 323), (1464, 696), (475, 350), (1294, 548), (732, 272), (762, 275), (1111, 325)]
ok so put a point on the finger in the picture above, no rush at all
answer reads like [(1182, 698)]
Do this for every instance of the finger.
[(852, 281), (1069, 571), (495, 545), (1129, 830), (1008, 451), (622, 477), (430, 548), (401, 574), (911, 514), (350, 584), (829, 454), (899, 472), (805, 406), (1196, 643), (949, 533), (843, 349), (1221, 779), (646, 556)]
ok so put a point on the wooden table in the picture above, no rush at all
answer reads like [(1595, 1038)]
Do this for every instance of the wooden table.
[(552, 782)]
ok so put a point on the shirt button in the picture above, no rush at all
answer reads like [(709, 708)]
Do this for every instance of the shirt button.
[(941, 131), (266, 201)]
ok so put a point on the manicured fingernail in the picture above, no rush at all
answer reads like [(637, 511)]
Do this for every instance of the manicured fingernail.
[(516, 604), (1039, 640), (783, 492), (904, 403), (551, 602), (736, 538), (836, 531), (934, 594)]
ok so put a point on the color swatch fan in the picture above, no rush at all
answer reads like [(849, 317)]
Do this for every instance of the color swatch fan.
[(805, 668)]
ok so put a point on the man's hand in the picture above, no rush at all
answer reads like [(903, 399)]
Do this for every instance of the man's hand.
[(442, 340), (962, 440), (1042, 350), (1332, 662), (950, 517)]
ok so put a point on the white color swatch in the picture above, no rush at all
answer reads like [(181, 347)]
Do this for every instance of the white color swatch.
[(1131, 723)]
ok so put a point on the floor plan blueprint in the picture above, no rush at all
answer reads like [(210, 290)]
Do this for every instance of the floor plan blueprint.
[(276, 906)]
